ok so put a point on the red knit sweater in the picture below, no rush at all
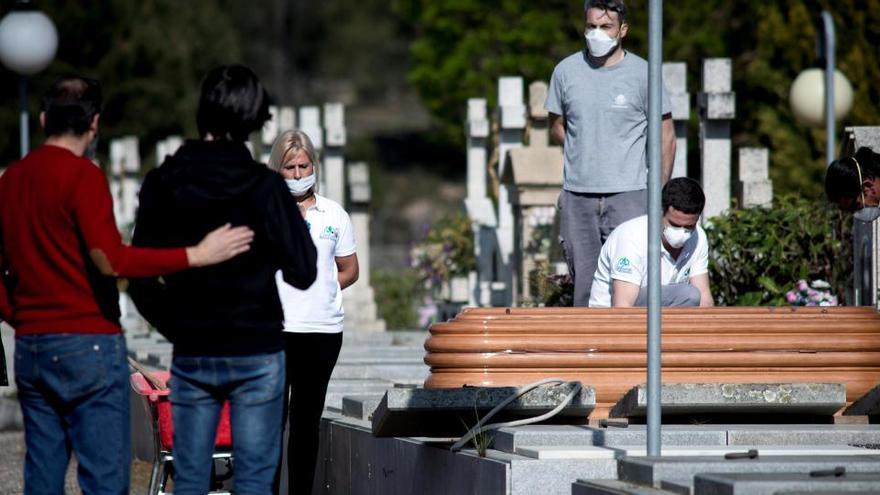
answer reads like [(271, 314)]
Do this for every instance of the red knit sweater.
[(56, 217)]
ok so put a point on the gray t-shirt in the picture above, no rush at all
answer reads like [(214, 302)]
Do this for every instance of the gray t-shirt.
[(606, 122)]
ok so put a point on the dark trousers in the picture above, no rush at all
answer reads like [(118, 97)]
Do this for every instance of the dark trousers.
[(310, 361)]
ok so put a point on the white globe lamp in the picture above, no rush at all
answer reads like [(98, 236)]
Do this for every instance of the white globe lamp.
[(807, 97)]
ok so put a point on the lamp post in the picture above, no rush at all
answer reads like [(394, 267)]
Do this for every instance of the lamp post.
[(28, 41), (820, 97)]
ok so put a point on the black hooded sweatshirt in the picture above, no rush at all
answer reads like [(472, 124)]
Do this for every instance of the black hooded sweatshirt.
[(229, 309)]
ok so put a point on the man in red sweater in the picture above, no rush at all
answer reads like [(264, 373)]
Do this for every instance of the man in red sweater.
[(60, 254)]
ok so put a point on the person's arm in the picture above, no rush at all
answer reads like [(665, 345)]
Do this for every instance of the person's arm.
[(557, 128), (701, 282), (347, 267), (668, 147), (623, 294), (289, 236), (92, 208)]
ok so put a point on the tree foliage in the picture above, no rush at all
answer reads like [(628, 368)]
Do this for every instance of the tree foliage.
[(461, 47)]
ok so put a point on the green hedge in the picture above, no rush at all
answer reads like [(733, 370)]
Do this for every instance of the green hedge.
[(398, 296), (757, 254)]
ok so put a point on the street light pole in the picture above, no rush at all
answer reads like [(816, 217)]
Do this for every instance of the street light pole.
[(830, 63), (655, 155), (23, 115)]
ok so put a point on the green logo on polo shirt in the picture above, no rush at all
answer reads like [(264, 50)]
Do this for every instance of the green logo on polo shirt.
[(331, 233), (623, 265)]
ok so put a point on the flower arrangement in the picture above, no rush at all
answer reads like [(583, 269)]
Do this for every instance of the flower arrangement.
[(815, 294), (446, 250)]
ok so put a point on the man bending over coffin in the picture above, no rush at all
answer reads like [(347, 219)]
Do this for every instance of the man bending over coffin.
[(621, 280)]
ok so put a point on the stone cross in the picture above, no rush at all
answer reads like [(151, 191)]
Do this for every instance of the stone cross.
[(359, 299), (480, 209), (310, 123), (539, 133), (717, 104), (533, 179), (675, 80), (167, 147), (334, 159), (125, 182), (754, 187), (512, 113)]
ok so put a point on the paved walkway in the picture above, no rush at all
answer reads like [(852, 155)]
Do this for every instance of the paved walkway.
[(12, 462)]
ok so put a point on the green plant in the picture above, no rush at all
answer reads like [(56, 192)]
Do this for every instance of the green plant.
[(757, 253), (481, 439), (550, 288), (398, 293), (446, 250)]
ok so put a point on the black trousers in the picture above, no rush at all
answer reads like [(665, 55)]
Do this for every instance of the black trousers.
[(310, 361)]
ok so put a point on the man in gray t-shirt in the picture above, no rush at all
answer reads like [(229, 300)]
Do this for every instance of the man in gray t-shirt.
[(598, 104)]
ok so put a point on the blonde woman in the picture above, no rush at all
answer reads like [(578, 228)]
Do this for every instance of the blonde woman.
[(312, 317)]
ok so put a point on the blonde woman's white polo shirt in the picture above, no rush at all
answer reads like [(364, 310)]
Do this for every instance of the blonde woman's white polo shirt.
[(318, 309)]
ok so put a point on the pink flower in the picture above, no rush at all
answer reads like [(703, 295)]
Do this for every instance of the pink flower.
[(791, 297), (802, 286)]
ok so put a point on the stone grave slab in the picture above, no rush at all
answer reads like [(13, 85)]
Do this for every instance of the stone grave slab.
[(595, 452), (866, 405), (613, 487), (450, 412), (855, 435), (772, 483), (802, 399), (511, 439), (652, 470), (360, 406)]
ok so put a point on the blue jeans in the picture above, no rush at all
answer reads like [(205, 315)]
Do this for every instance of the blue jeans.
[(73, 391), (254, 386)]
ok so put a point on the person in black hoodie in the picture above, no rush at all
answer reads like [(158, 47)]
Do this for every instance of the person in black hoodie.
[(224, 321)]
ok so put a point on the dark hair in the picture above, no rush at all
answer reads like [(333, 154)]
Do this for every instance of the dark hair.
[(233, 103), (683, 194), (842, 177), (71, 104), (606, 5)]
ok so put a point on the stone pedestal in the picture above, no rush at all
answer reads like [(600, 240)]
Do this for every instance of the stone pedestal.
[(717, 105), (534, 179), (359, 300), (754, 187), (675, 80)]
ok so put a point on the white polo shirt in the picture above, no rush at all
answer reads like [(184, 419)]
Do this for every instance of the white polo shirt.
[(318, 309), (624, 257)]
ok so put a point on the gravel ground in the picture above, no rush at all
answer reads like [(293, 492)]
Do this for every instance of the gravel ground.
[(12, 460)]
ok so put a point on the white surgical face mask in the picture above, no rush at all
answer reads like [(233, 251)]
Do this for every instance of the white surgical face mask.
[(300, 186), (599, 43), (676, 237)]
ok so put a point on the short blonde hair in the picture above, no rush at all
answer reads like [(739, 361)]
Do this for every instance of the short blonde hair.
[(288, 141)]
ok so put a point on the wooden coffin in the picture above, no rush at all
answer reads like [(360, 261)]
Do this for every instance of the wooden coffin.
[(606, 347)]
